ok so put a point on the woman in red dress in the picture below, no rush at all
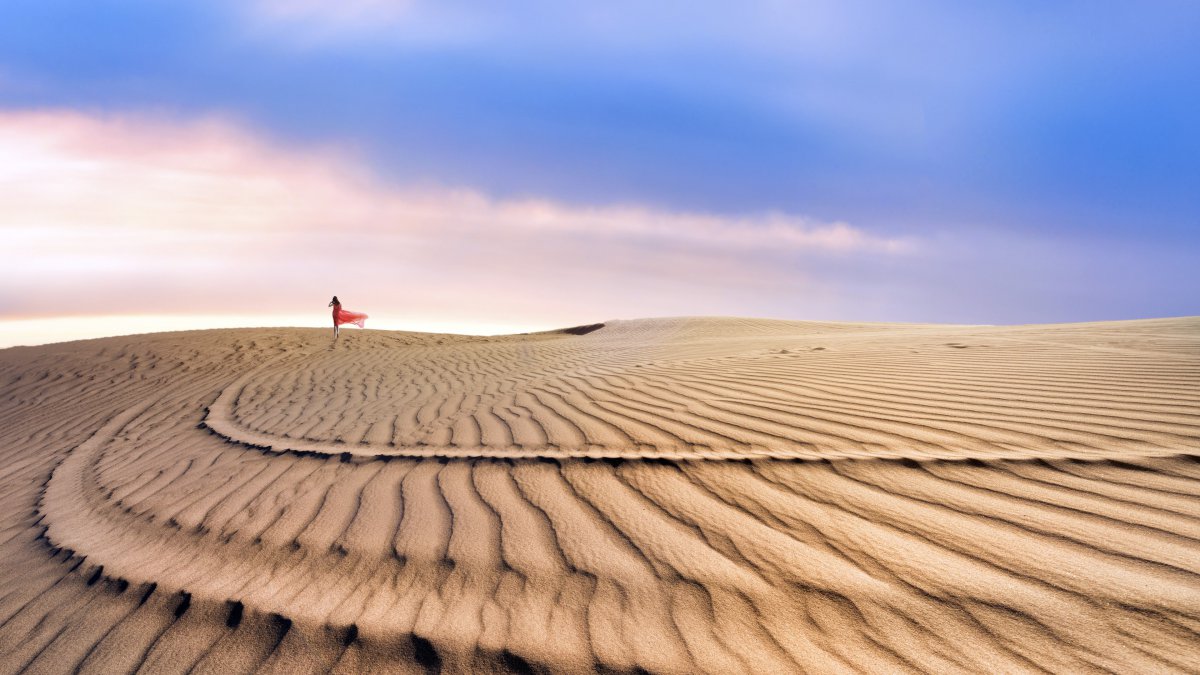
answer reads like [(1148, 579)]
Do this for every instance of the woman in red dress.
[(341, 316)]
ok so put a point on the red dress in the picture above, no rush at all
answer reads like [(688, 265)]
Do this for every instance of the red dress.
[(341, 316)]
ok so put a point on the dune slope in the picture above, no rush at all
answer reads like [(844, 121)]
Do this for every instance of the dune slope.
[(674, 496)]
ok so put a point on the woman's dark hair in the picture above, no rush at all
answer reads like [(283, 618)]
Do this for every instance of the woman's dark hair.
[(335, 300)]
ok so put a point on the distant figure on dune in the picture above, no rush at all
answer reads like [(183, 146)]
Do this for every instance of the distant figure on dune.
[(341, 316)]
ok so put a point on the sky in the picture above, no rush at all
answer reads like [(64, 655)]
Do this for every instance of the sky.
[(498, 167)]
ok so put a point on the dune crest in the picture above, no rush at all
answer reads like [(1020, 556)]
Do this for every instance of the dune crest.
[(674, 496)]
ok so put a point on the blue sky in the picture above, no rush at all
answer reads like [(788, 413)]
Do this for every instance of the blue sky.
[(1043, 159)]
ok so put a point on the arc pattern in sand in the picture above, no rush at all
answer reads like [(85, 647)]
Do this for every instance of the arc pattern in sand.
[(672, 390), (1062, 535)]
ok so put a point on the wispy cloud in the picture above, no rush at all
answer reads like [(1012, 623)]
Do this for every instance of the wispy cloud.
[(127, 214), (306, 20), (319, 23)]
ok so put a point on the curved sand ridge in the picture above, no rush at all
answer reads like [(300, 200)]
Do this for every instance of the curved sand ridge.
[(717, 389), (157, 544)]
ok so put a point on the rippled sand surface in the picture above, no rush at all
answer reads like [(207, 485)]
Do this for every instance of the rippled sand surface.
[(665, 496)]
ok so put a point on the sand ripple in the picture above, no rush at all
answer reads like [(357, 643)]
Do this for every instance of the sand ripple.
[(700, 495)]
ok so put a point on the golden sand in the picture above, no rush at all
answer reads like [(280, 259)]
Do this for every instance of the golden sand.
[(670, 496)]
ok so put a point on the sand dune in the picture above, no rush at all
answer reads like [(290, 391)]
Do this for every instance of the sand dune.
[(667, 496)]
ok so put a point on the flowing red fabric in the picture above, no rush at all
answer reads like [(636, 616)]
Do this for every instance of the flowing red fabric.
[(341, 316)]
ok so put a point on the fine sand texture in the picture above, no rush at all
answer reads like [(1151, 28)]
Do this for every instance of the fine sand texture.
[(664, 496)]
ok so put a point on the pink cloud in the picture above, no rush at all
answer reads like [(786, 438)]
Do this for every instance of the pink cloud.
[(137, 214)]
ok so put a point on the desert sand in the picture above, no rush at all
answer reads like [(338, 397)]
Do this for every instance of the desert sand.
[(665, 496)]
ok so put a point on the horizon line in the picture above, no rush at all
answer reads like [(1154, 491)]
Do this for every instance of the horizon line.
[(62, 329)]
